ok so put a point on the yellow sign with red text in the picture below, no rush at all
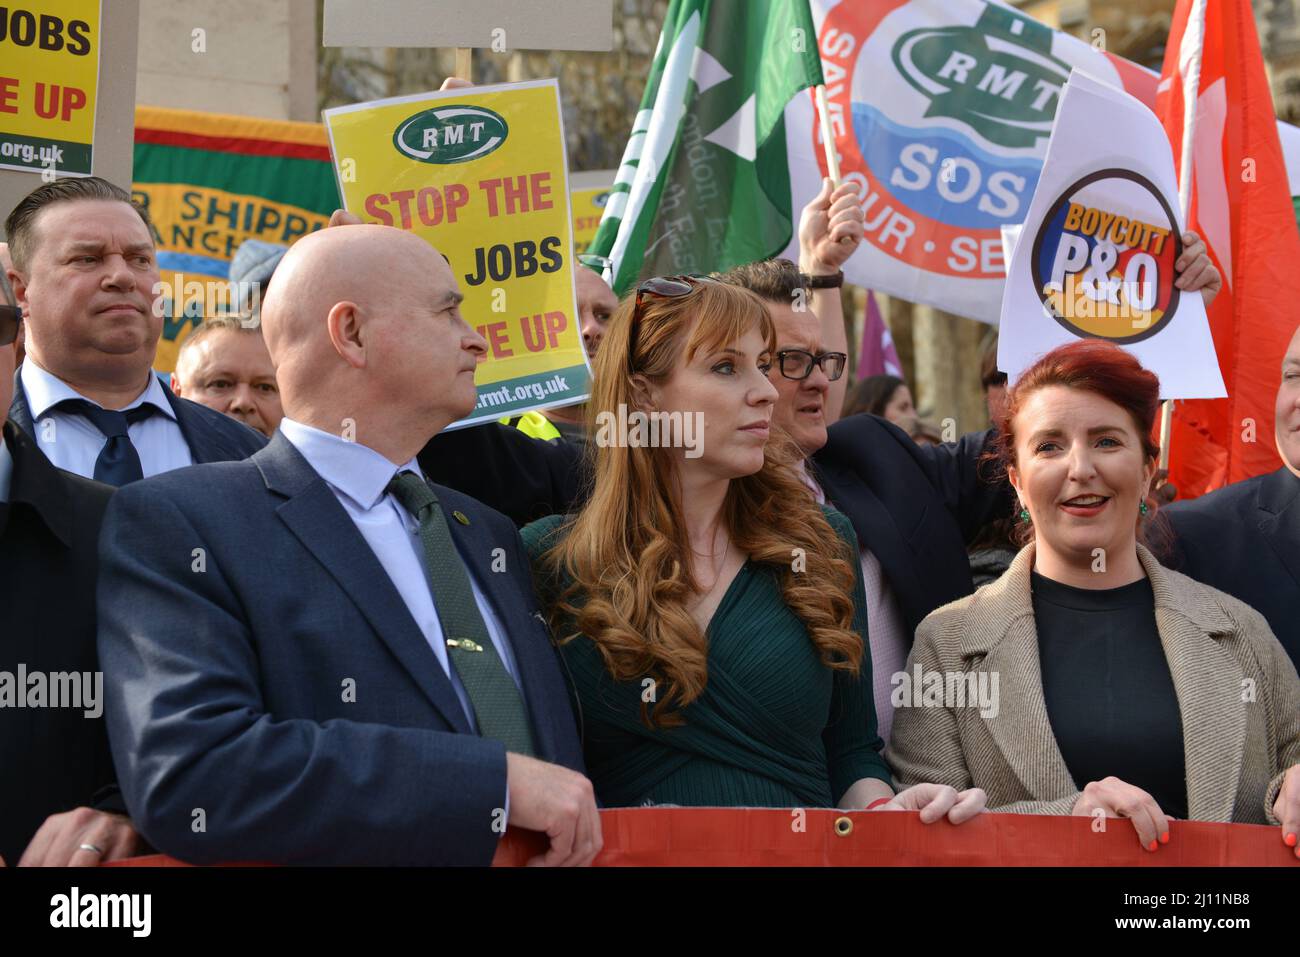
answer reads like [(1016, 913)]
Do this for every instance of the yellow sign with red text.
[(49, 73), (481, 175)]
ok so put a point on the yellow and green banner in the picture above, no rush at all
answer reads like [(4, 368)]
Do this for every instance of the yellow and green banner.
[(211, 181)]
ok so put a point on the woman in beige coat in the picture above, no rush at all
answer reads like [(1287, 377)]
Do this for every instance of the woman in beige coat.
[(1089, 679)]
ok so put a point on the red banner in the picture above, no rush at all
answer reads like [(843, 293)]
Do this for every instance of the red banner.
[(730, 837)]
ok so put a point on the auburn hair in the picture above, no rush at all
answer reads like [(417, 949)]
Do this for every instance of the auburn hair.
[(627, 553), (1102, 368)]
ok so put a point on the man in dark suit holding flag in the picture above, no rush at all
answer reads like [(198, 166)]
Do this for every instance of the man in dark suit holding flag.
[(86, 274), (376, 684)]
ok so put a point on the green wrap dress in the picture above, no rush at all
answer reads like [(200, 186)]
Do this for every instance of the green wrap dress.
[(774, 726)]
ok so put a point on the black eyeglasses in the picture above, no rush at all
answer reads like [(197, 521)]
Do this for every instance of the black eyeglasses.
[(662, 287), (11, 314), (798, 363)]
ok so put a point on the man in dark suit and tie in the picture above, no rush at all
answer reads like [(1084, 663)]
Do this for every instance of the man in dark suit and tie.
[(317, 656), (58, 801), (1244, 539), (86, 273)]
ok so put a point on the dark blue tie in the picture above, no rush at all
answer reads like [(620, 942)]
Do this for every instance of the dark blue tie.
[(118, 461)]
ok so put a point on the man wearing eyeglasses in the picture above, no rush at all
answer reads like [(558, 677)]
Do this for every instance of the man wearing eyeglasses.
[(59, 803)]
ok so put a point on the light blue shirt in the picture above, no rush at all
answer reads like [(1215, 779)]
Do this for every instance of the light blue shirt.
[(6, 470), (72, 441), (358, 476)]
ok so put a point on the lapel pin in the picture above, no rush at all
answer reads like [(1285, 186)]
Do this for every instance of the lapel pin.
[(460, 517)]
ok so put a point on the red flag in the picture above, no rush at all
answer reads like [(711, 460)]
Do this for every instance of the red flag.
[(1241, 205)]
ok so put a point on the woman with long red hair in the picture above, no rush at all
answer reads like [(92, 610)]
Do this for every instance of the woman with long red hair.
[(711, 613), (1124, 689)]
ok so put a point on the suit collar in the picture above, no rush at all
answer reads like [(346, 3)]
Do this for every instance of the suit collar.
[(356, 470), (42, 390), (1008, 599), (315, 517), (1001, 637), (36, 482), (6, 470), (206, 442), (19, 411), (804, 469), (879, 529), (1278, 491), (1278, 502)]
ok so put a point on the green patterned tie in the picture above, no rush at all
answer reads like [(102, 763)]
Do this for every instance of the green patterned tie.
[(498, 706)]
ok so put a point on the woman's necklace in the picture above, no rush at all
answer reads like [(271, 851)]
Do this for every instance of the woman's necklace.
[(712, 554)]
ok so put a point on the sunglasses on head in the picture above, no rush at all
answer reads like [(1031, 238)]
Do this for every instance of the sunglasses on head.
[(661, 287)]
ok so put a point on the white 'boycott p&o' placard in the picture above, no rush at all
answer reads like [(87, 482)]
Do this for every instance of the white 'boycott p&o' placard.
[(1096, 256)]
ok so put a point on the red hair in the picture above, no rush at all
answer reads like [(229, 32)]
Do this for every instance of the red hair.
[(1097, 366)]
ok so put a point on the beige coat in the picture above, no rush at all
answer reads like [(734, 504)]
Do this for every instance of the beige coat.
[(1238, 695)]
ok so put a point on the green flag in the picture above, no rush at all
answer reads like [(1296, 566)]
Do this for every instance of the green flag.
[(704, 184)]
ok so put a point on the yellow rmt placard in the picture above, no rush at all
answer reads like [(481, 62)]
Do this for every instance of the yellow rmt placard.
[(481, 174), (588, 207), (49, 70)]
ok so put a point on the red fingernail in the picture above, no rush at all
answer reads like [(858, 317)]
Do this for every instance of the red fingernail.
[(1152, 846), (1164, 838), (1290, 840)]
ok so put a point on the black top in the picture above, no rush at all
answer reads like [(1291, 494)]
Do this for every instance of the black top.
[(1109, 694)]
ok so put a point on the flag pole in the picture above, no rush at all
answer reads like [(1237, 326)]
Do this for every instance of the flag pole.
[(828, 135), (1189, 58), (828, 140)]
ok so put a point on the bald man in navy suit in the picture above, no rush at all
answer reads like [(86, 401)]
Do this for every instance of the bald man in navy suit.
[(317, 653)]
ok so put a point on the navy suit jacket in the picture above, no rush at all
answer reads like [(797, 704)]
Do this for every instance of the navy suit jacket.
[(1244, 539), (914, 506), (211, 436), (276, 681)]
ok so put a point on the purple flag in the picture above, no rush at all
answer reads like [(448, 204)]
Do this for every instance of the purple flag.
[(878, 355)]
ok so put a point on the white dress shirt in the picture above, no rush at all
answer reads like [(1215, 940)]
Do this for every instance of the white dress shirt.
[(72, 441), (886, 630), (358, 476)]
